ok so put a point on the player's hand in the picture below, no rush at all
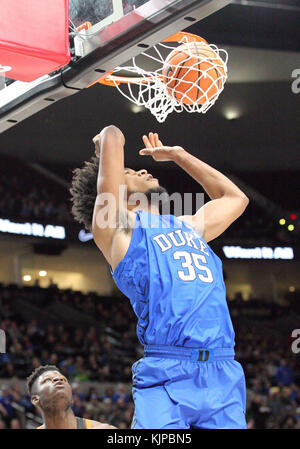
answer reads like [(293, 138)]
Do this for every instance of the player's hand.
[(155, 148), (108, 130)]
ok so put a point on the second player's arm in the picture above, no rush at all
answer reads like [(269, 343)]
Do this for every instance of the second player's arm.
[(227, 203), (109, 146)]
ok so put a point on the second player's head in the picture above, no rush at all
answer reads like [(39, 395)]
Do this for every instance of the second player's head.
[(50, 391)]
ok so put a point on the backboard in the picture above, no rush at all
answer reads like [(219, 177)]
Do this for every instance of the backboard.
[(115, 31)]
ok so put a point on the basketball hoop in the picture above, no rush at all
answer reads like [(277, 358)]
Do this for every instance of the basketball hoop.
[(150, 89)]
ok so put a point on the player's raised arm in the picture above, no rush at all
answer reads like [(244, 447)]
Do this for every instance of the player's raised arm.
[(227, 203), (109, 146)]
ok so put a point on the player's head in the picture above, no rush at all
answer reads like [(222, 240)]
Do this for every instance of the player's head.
[(84, 189), (50, 391)]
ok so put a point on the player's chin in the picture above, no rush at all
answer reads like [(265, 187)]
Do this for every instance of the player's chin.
[(153, 182), (146, 185)]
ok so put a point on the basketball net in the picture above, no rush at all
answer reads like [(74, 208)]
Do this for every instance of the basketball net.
[(148, 89)]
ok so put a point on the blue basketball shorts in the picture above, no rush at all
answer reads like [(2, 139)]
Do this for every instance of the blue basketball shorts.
[(185, 388)]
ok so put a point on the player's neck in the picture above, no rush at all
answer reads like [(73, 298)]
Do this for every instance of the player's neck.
[(150, 209), (62, 419)]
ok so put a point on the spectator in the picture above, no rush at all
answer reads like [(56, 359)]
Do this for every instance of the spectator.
[(121, 394), (260, 411), (93, 407), (78, 407), (15, 424), (284, 374), (81, 374), (6, 408), (290, 422), (109, 394), (75, 391)]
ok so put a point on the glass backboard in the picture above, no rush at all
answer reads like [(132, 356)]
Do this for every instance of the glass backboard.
[(103, 34)]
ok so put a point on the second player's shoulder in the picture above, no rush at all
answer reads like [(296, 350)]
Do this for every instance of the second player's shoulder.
[(100, 425)]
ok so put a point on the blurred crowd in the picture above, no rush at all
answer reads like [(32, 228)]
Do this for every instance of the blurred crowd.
[(272, 377), (84, 352), (20, 199), (106, 351)]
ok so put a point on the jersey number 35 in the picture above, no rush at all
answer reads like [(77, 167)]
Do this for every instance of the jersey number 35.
[(190, 262)]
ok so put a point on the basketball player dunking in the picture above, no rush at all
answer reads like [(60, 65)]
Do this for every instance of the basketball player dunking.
[(188, 377), (51, 393)]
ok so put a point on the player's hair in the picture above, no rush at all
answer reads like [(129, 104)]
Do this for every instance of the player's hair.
[(84, 192), (37, 373)]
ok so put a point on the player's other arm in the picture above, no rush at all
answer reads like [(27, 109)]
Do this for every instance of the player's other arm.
[(109, 145), (227, 203)]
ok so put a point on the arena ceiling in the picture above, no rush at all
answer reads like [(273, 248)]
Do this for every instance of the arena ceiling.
[(254, 125)]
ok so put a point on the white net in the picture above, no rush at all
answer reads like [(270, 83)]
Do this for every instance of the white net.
[(189, 77)]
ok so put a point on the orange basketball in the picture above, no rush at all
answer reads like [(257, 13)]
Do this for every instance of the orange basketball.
[(193, 73)]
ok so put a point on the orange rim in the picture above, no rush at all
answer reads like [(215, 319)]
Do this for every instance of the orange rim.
[(109, 79), (181, 34), (84, 26), (114, 80)]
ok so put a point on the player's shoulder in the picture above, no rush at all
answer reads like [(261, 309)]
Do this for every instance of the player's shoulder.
[(100, 425), (188, 219)]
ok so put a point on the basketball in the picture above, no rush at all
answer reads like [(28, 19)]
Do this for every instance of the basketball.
[(194, 73)]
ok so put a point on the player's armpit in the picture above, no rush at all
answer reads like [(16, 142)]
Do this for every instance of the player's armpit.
[(212, 219), (125, 220), (122, 237)]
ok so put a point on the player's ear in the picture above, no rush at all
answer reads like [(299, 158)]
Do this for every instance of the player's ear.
[(35, 400)]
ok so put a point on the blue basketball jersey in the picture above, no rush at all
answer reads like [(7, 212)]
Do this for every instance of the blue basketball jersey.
[(175, 285)]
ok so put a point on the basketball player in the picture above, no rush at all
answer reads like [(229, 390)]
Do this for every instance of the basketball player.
[(188, 377), (51, 393)]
